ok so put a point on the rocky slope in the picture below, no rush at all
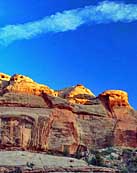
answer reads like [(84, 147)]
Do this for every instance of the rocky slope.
[(26, 162), (35, 117)]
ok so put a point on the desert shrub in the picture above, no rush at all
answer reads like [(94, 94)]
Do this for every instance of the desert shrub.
[(124, 170), (92, 151), (132, 165), (108, 151), (127, 151), (99, 160), (92, 161), (30, 165), (96, 160)]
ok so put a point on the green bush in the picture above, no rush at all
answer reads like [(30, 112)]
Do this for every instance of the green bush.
[(127, 151), (92, 151), (92, 161), (96, 160), (99, 160), (124, 170)]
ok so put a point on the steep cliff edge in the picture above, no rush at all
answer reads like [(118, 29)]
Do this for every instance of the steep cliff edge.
[(35, 117)]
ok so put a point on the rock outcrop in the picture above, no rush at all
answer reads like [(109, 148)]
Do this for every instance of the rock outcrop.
[(114, 98), (4, 77), (76, 94), (28, 162), (4, 80), (23, 84), (35, 117)]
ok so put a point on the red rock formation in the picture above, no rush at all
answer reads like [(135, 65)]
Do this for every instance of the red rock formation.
[(35, 117), (114, 98), (23, 84), (125, 129), (76, 94)]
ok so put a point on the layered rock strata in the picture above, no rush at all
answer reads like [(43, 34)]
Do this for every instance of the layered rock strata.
[(35, 117)]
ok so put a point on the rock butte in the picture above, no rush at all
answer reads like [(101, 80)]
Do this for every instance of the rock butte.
[(35, 117)]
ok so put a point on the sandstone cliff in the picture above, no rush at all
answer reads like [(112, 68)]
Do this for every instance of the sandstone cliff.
[(35, 117)]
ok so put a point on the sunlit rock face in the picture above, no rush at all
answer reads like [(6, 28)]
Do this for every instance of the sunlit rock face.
[(35, 117), (4, 80), (77, 94), (4, 77), (23, 84), (115, 98), (125, 131)]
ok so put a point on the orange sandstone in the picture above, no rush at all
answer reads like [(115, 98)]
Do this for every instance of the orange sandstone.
[(35, 117)]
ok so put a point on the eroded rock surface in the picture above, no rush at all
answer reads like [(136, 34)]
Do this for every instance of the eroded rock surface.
[(35, 117), (4, 80), (77, 94), (114, 98), (26, 162), (23, 84)]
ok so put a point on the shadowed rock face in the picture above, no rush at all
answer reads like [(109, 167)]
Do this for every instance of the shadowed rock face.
[(35, 117)]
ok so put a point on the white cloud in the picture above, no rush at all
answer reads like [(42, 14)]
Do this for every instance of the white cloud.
[(104, 12)]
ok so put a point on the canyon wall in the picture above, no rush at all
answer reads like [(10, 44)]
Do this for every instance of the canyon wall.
[(35, 117)]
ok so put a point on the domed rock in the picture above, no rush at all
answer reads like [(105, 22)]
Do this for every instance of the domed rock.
[(76, 94), (24, 84)]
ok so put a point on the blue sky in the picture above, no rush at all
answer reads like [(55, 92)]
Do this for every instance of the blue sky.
[(101, 54)]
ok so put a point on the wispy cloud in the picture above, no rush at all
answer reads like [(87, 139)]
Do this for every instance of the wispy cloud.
[(104, 12)]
